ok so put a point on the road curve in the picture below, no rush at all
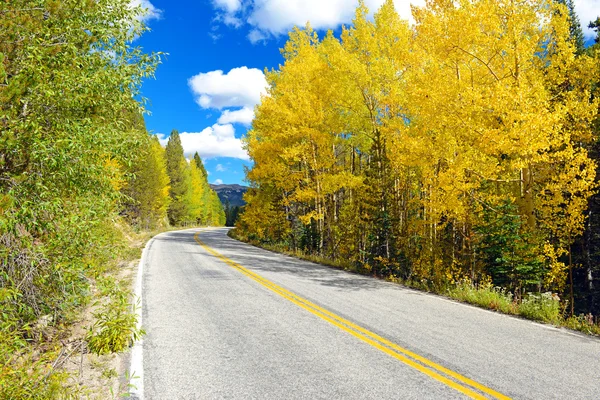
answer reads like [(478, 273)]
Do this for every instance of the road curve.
[(226, 320)]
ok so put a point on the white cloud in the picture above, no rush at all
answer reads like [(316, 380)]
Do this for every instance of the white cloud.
[(257, 36), (240, 87), (241, 116), (218, 182), (230, 20), (215, 141), (588, 11), (220, 168), (151, 11), (277, 17), (271, 18), (268, 18), (229, 6)]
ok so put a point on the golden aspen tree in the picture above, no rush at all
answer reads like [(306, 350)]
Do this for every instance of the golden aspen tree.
[(421, 151), (488, 68), (195, 198), (149, 187)]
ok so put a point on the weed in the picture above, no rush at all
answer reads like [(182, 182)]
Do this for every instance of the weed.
[(485, 296), (543, 307), (583, 323), (109, 373), (115, 328)]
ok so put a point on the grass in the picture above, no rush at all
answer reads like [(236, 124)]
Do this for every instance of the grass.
[(492, 298), (541, 307)]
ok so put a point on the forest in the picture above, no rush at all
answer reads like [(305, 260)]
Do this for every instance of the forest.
[(79, 177), (457, 154)]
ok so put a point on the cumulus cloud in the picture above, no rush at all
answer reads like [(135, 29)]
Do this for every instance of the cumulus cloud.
[(271, 18), (220, 168), (588, 11), (257, 36), (240, 87), (234, 93), (215, 141), (218, 182), (151, 11), (277, 17), (229, 6), (243, 116)]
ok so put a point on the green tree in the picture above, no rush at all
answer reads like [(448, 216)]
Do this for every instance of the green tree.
[(69, 80), (595, 25), (508, 251), (232, 214), (200, 165), (180, 180)]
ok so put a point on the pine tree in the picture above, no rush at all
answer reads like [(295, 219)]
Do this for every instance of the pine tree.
[(179, 175), (200, 165), (595, 25)]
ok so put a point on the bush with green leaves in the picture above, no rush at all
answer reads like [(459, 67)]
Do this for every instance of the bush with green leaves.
[(543, 307), (69, 84), (486, 296), (115, 327)]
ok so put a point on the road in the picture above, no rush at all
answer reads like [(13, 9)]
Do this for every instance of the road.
[(226, 320)]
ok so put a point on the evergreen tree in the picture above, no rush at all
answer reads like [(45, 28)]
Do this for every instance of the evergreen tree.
[(508, 253), (231, 214), (200, 165), (595, 25), (179, 176)]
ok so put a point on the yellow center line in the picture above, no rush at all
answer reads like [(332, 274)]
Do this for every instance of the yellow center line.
[(369, 337)]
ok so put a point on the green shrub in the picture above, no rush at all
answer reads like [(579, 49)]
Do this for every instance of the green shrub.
[(115, 328), (583, 323), (543, 307), (485, 296)]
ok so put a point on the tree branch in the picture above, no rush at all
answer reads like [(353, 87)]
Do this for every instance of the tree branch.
[(480, 60)]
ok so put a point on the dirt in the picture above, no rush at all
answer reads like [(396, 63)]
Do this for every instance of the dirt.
[(95, 377)]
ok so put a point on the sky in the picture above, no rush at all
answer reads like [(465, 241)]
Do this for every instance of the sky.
[(212, 77)]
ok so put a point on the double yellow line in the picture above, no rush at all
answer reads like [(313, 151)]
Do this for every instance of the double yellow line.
[(452, 379)]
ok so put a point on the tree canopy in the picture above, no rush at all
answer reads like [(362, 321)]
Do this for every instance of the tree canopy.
[(453, 149)]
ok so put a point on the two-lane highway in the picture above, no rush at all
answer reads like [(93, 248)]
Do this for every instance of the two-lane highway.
[(228, 320)]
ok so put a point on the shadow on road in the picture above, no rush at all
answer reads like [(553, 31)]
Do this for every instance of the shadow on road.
[(261, 260), (177, 236)]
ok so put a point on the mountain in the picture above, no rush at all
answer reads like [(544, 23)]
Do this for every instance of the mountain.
[(231, 193)]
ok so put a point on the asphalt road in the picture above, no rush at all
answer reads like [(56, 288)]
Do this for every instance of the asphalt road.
[(225, 320)]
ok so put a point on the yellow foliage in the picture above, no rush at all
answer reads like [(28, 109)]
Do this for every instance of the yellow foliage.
[(556, 277), (114, 173), (391, 140)]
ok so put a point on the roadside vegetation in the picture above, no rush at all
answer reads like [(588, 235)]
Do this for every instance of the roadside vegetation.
[(82, 187), (541, 307), (457, 155)]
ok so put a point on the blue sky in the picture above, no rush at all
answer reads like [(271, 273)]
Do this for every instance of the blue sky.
[(211, 79)]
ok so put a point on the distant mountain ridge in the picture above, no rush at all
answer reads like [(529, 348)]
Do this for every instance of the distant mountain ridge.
[(232, 193)]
